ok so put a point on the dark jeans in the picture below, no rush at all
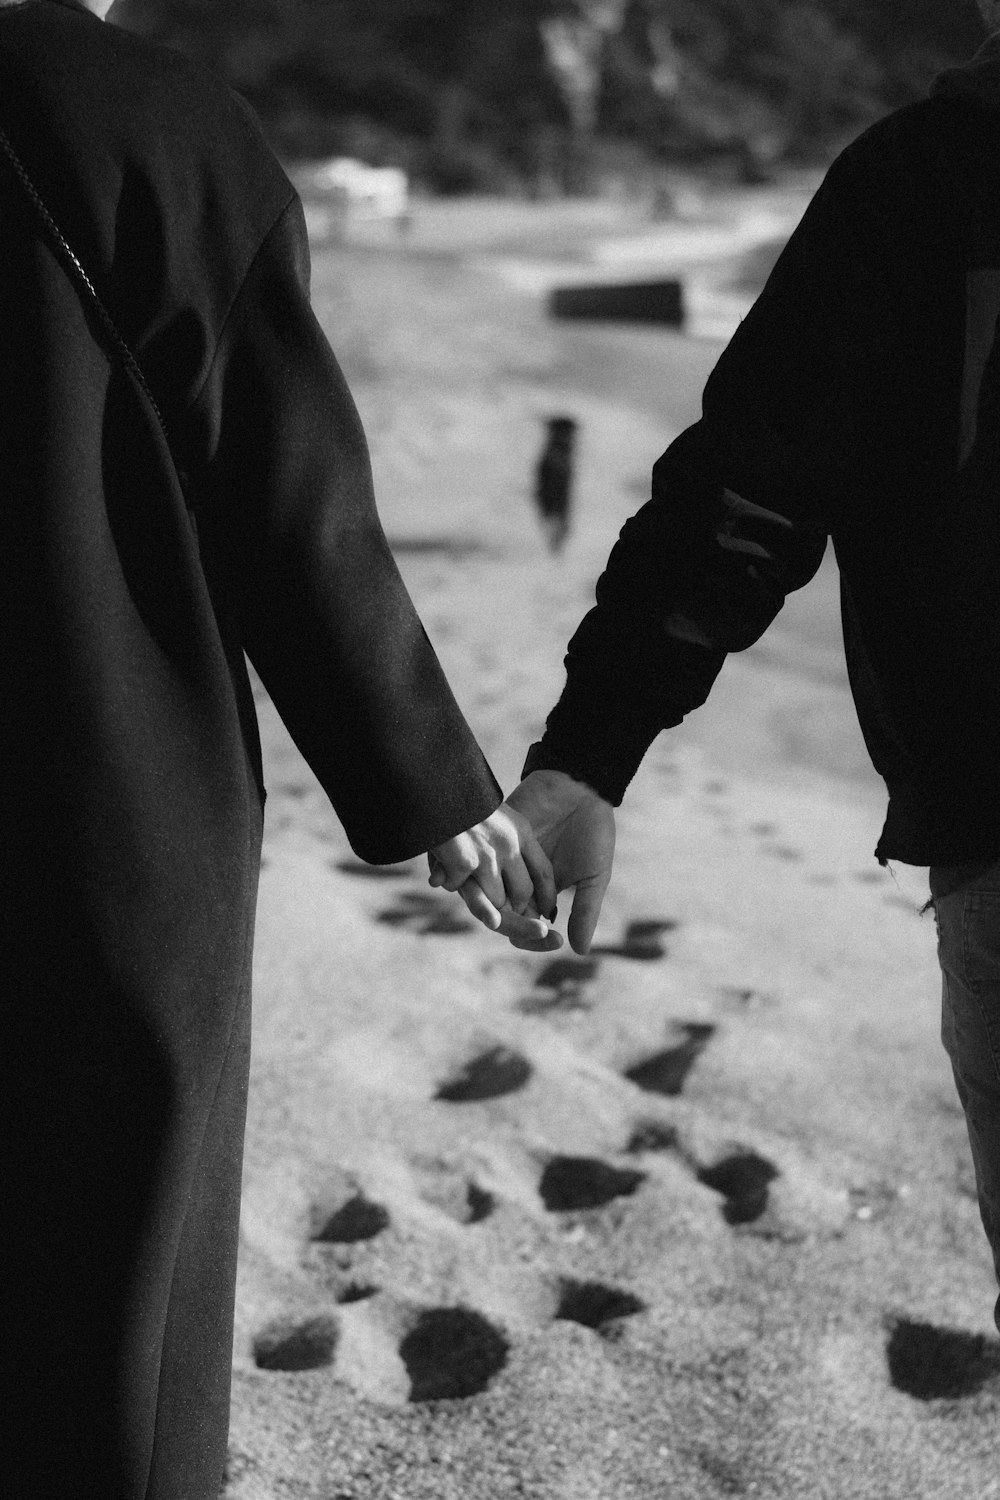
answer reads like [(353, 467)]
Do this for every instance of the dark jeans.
[(967, 908)]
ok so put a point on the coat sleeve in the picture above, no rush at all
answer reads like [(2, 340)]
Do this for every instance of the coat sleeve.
[(800, 428), (284, 497)]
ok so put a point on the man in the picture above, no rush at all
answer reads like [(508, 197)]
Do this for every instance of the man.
[(183, 476), (858, 401)]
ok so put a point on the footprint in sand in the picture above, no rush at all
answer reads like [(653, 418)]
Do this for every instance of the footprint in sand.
[(356, 1291), (934, 1364), (595, 1305), (641, 942), (776, 851), (447, 1187), (360, 1218), (578, 1182), (666, 1072), (561, 985), (746, 996), (785, 852), (488, 1076), (294, 789), (743, 1179), (652, 1136), (426, 914), (285, 1345), (479, 1204), (451, 1353)]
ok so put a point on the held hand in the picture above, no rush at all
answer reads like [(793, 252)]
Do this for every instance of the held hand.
[(503, 875), (576, 829)]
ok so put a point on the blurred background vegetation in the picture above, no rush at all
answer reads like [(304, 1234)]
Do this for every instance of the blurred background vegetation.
[(545, 97)]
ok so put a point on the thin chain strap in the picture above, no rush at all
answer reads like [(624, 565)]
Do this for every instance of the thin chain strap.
[(82, 279)]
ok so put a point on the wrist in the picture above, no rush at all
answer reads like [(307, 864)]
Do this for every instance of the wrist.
[(560, 770), (550, 779)]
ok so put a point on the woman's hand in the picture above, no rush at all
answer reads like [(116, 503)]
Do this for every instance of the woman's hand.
[(503, 875)]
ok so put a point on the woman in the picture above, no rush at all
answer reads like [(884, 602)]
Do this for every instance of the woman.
[(184, 478)]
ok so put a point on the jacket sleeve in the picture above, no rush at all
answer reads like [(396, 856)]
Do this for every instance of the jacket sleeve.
[(285, 498), (792, 440)]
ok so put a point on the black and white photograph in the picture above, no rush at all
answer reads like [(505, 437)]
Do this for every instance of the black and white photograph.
[(500, 749)]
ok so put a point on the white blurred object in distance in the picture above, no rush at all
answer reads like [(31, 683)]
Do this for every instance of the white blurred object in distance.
[(356, 193), (573, 45)]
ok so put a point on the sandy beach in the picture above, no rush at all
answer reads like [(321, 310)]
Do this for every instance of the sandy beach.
[(693, 1217)]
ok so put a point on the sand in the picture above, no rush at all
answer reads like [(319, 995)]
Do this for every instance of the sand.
[(693, 1217)]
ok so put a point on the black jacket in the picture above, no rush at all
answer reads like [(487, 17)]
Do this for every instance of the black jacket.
[(859, 400)]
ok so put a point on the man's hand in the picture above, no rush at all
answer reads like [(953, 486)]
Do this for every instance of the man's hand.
[(504, 877), (576, 830)]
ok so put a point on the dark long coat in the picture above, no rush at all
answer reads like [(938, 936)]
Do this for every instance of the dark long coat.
[(130, 780)]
